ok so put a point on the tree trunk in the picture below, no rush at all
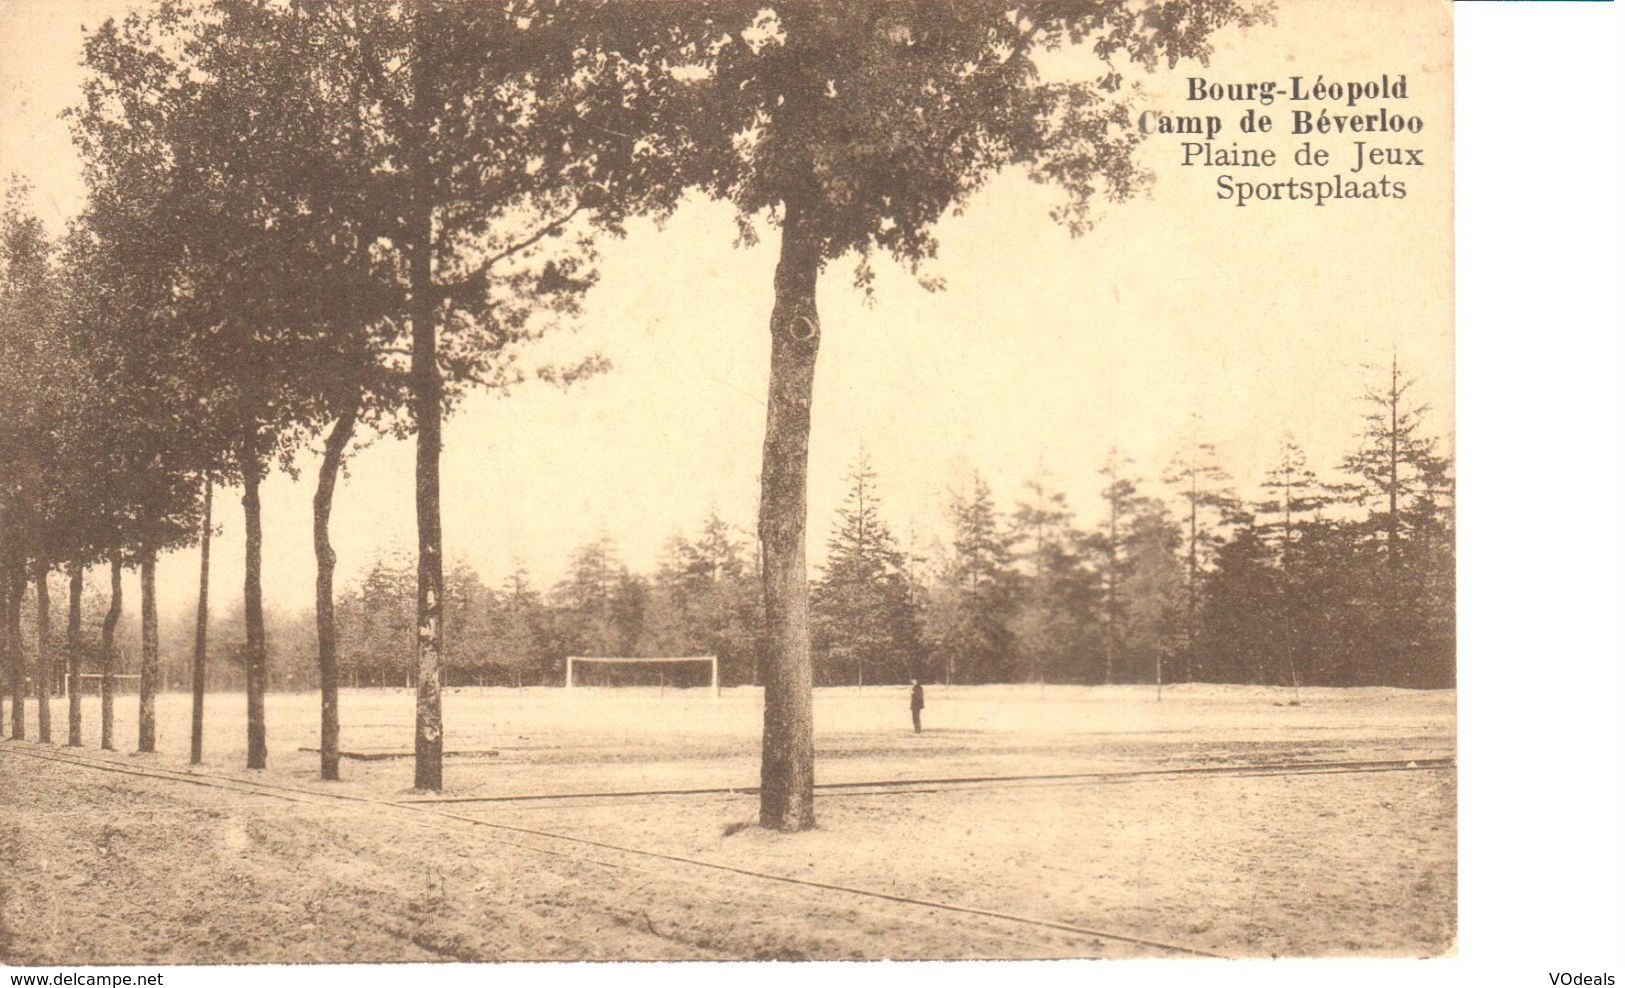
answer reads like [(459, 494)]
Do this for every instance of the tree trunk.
[(6, 659), (200, 643), (5, 634), (115, 604), (787, 722), (76, 645), (327, 642), (1393, 466), (1111, 585), (1190, 590), (147, 716), (253, 606), (42, 643), (426, 401), (17, 585)]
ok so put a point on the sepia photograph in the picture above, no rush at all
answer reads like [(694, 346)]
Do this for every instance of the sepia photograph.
[(619, 480)]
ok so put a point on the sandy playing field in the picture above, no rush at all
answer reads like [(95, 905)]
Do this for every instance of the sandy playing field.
[(117, 867)]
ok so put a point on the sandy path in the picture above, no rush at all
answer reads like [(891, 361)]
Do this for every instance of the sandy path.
[(1291, 865), (606, 740), (114, 869)]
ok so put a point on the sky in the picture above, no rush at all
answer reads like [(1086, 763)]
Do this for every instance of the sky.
[(1043, 348)]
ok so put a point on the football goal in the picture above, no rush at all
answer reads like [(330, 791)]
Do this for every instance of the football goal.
[(90, 683), (574, 662)]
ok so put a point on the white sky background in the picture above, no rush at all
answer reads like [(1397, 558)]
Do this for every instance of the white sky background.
[(1042, 348)]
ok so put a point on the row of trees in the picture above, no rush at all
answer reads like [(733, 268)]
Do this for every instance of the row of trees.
[(1342, 581), (286, 241), (1346, 581), (1338, 582), (703, 599), (306, 220)]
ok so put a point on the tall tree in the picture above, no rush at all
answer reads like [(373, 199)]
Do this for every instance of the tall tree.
[(29, 352), (1407, 487), (853, 127), (1152, 592), (76, 648), (477, 185), (200, 642), (115, 606), (1123, 503), (864, 619), (1294, 499), (1201, 485), (157, 427), (970, 614), (1401, 477), (42, 634), (291, 178), (412, 175), (44, 435), (1057, 598), (244, 123), (1294, 495), (97, 503), (706, 600), (1241, 623), (592, 603)]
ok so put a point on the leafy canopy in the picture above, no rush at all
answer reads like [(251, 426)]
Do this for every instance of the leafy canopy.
[(874, 119)]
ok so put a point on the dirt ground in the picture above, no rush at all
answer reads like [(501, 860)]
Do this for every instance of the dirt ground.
[(103, 867)]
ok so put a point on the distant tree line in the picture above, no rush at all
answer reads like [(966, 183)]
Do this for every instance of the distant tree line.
[(1330, 582), (1345, 581)]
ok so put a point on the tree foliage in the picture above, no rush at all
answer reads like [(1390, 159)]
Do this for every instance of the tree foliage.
[(865, 627)]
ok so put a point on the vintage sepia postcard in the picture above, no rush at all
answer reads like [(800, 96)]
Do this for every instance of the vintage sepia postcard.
[(517, 480)]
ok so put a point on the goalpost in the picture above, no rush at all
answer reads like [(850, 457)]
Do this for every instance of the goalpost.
[(570, 663), (90, 683)]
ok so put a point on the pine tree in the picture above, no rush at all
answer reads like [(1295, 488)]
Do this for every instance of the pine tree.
[(1153, 594), (864, 624), (1400, 477), (1110, 544), (970, 611), (1295, 498), (722, 591), (1202, 488), (1407, 487), (516, 638), (599, 605), (1241, 625), (669, 627), (1057, 596), (377, 645)]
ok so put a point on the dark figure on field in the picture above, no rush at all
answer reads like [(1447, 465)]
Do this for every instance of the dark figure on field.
[(916, 703)]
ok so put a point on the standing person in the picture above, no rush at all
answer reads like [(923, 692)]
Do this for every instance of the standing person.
[(916, 703)]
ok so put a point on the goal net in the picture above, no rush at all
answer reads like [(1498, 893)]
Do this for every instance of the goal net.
[(90, 683), (707, 663)]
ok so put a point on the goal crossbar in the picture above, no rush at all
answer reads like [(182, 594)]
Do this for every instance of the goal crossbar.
[(571, 661)]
